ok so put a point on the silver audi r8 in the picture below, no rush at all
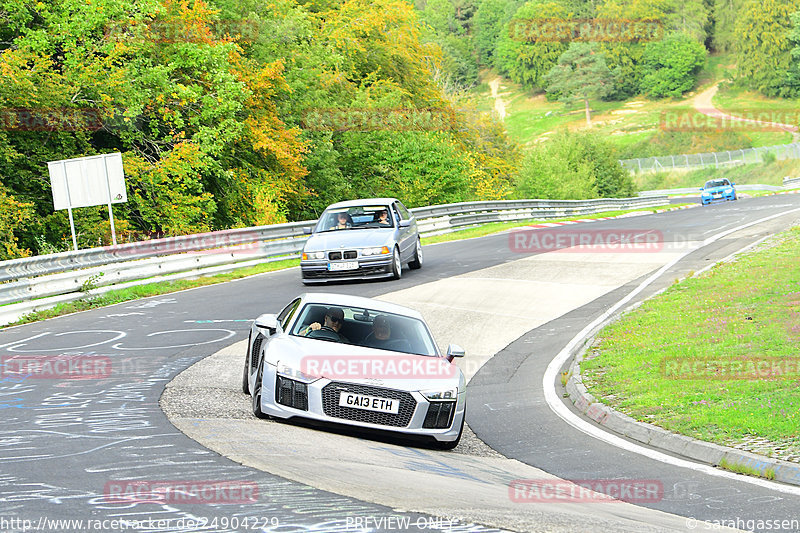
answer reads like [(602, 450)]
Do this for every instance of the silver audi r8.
[(356, 361), (360, 239)]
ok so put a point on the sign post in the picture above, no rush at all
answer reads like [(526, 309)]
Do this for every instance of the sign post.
[(69, 208), (87, 181)]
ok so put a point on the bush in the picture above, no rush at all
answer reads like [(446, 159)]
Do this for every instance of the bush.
[(573, 166)]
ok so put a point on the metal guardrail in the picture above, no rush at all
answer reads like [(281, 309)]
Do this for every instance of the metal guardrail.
[(67, 272), (791, 182), (64, 261)]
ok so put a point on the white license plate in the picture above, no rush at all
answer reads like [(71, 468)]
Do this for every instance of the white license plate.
[(369, 403), (349, 265)]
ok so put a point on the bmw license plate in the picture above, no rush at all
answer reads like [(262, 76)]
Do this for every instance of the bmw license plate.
[(369, 403), (349, 265)]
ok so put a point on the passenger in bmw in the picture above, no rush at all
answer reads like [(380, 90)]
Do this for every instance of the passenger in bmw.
[(383, 218), (331, 327)]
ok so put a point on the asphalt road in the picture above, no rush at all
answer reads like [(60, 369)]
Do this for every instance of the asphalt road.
[(65, 441)]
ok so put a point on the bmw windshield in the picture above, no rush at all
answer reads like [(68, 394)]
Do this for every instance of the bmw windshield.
[(360, 217)]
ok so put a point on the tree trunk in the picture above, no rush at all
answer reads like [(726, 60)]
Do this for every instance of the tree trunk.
[(588, 116)]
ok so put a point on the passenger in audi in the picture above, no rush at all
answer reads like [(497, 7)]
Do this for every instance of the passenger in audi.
[(381, 336)]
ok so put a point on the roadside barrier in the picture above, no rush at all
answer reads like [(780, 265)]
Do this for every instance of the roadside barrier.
[(34, 280)]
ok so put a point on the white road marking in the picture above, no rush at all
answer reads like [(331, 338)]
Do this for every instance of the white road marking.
[(581, 424), (228, 336), (12, 346)]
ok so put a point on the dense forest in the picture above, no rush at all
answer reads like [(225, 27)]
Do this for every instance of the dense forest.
[(233, 113)]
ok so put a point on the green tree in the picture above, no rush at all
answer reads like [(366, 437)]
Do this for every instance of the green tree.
[(488, 23), (521, 54), (792, 84), (724, 15), (625, 58), (690, 17), (763, 51), (671, 65), (458, 68), (13, 216), (580, 75)]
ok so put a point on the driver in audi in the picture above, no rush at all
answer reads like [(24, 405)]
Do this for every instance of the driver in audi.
[(334, 318)]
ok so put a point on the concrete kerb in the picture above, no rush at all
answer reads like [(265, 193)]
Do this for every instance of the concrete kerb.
[(701, 451)]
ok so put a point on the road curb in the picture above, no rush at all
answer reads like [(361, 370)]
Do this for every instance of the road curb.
[(701, 451)]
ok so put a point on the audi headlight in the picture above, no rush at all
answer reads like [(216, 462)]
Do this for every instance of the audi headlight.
[(446, 394), (375, 251), (295, 373), (313, 255)]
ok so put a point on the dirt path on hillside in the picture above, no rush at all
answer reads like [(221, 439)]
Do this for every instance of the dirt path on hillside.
[(702, 102), (499, 104)]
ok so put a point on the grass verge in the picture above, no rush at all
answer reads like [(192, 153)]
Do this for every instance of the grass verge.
[(673, 361), (165, 287), (769, 473)]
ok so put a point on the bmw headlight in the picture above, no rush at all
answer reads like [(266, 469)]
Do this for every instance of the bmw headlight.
[(313, 255), (729, 190), (445, 394), (295, 373), (375, 251)]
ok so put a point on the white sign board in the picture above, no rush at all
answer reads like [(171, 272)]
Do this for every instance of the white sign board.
[(87, 181)]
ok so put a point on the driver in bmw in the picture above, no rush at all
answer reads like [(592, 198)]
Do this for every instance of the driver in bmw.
[(334, 318)]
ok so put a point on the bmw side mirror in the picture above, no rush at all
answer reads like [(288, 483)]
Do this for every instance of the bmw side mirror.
[(306, 231), (454, 350), (405, 223), (267, 322)]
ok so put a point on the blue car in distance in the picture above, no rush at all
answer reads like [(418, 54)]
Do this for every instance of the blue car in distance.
[(717, 190)]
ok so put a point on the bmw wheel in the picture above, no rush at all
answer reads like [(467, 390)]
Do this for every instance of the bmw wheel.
[(397, 265), (417, 261)]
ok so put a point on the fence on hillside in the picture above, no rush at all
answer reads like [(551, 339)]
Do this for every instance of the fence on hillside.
[(712, 159)]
